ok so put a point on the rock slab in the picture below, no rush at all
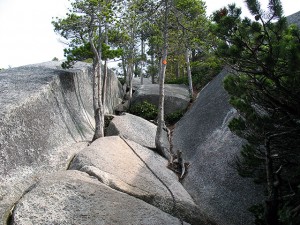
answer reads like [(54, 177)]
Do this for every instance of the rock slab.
[(176, 96), (136, 129), (73, 197), (44, 110), (207, 143), (128, 167)]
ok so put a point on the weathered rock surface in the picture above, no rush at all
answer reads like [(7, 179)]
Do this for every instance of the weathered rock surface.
[(73, 197), (176, 96), (294, 19), (207, 143), (21, 179), (115, 164), (136, 82), (43, 109), (134, 128)]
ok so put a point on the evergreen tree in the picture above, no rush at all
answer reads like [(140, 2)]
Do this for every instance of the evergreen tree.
[(85, 27), (265, 89)]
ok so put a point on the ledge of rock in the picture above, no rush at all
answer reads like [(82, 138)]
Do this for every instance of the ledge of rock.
[(73, 197), (136, 129), (176, 96), (121, 165), (207, 143)]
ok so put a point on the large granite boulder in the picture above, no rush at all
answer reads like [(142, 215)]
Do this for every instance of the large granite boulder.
[(44, 110), (14, 186), (207, 143), (136, 129), (176, 96), (73, 197), (131, 168)]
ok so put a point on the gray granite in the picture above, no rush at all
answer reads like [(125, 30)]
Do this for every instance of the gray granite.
[(136, 129), (73, 197), (294, 19), (131, 168), (207, 143), (176, 96), (46, 116)]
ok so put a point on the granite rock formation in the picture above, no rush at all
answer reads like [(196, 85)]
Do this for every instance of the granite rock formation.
[(46, 116), (207, 143), (176, 96)]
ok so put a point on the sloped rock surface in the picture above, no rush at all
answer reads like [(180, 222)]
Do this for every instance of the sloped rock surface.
[(176, 96), (73, 197), (207, 143), (113, 162), (294, 19), (134, 128), (43, 110)]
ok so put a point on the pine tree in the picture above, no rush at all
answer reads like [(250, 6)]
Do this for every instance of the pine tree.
[(264, 54), (85, 28)]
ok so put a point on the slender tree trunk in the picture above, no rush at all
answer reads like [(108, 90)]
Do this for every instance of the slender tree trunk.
[(160, 120), (152, 71), (131, 63), (124, 69), (97, 88), (131, 80), (105, 73), (178, 69), (142, 61), (189, 73), (271, 213)]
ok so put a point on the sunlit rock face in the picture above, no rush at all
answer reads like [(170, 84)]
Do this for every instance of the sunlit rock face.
[(207, 143), (43, 111)]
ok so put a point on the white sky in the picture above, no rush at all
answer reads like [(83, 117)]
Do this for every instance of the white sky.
[(27, 36)]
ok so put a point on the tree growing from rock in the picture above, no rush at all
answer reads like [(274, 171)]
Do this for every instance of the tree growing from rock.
[(86, 26), (265, 89)]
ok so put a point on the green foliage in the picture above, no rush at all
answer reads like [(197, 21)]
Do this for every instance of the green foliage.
[(174, 117), (122, 80), (145, 110), (175, 80), (204, 71), (149, 111), (265, 89), (258, 211)]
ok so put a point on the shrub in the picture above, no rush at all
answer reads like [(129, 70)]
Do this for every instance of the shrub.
[(175, 80), (145, 110), (122, 80), (174, 117)]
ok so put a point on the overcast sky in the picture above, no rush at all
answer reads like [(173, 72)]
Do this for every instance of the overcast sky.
[(27, 36)]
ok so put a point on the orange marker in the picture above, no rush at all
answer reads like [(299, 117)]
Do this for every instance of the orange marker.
[(164, 62)]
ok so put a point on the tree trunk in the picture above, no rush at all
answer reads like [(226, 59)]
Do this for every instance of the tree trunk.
[(178, 69), (97, 87), (124, 69), (142, 59), (271, 213), (152, 72), (189, 73), (104, 89), (160, 120)]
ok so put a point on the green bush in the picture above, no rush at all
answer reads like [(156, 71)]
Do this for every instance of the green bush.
[(173, 118), (174, 80), (204, 71), (145, 110), (122, 80)]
